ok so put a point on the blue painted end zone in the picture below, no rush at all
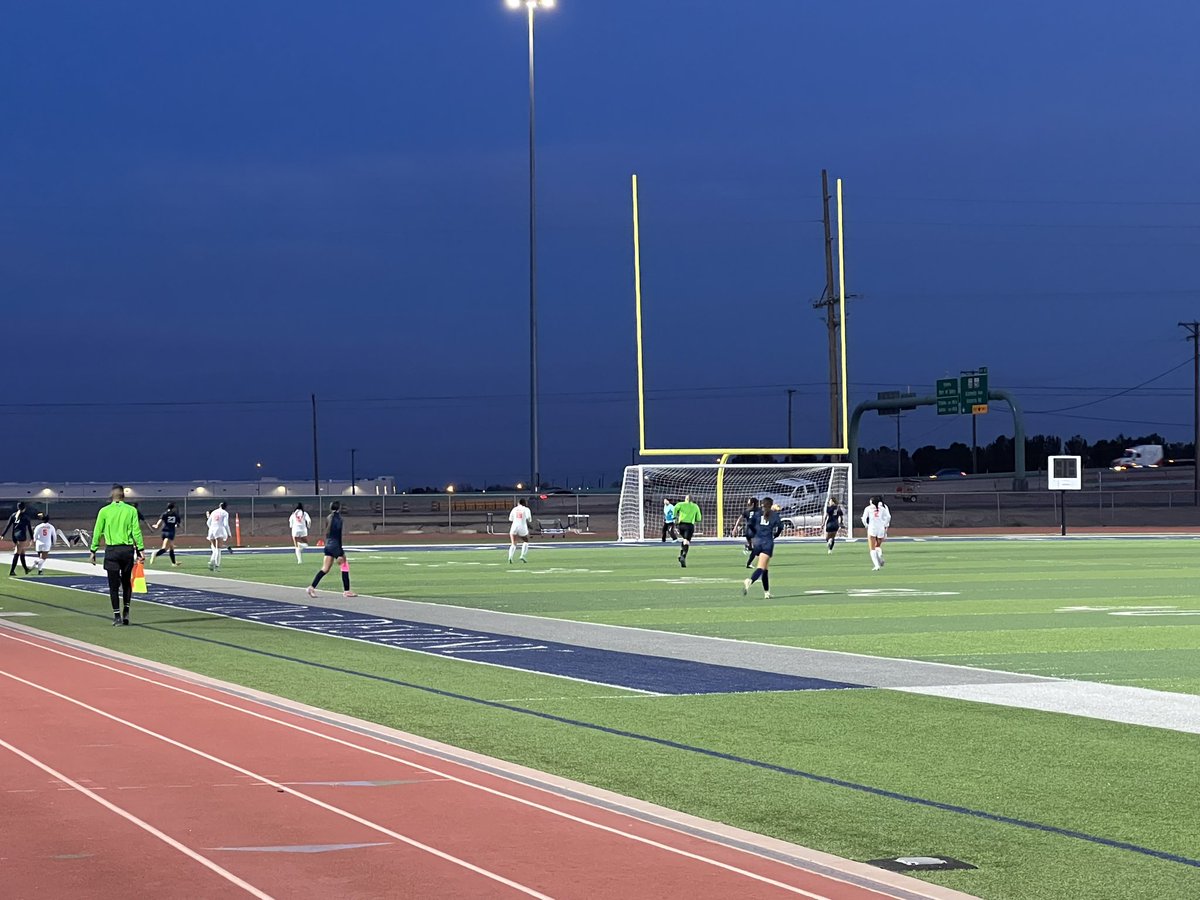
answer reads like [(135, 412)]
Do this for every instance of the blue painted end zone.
[(654, 674)]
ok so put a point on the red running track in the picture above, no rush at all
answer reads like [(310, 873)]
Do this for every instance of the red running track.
[(117, 777)]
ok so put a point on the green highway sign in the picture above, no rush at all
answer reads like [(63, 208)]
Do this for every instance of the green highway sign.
[(948, 402), (972, 390)]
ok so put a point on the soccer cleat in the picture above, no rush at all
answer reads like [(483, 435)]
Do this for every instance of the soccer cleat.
[(349, 594), (311, 591), (745, 587), (882, 562), (177, 565), (682, 561), (117, 619), (524, 560), (766, 595), (124, 620), (830, 550)]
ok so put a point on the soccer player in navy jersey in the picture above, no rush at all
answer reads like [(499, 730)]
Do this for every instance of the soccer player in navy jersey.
[(333, 552)]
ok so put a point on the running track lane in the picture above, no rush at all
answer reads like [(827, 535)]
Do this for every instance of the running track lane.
[(189, 772)]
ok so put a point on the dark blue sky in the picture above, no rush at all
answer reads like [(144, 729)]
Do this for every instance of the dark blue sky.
[(221, 202)]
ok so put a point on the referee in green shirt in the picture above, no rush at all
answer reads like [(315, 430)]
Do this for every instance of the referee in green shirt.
[(687, 514), (117, 524)]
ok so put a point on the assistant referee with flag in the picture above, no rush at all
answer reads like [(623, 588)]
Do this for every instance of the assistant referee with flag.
[(117, 524)]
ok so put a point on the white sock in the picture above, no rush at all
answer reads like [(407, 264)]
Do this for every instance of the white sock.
[(217, 555), (298, 559), (512, 548), (875, 557), (524, 550)]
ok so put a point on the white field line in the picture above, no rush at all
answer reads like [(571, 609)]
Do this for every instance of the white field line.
[(412, 842), (145, 826), (432, 771)]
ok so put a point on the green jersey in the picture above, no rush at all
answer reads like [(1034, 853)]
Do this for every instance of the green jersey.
[(687, 512), (118, 524)]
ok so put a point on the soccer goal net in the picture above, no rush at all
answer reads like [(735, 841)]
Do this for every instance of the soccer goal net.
[(799, 491)]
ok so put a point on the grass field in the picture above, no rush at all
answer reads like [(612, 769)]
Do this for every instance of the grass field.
[(806, 766)]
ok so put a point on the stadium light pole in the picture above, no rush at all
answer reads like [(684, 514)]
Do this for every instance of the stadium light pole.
[(531, 7), (353, 481)]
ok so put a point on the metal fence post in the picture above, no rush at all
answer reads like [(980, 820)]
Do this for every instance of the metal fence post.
[(383, 516), (997, 508), (943, 510), (252, 517)]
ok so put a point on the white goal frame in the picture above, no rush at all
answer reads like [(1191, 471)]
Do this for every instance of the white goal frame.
[(721, 490)]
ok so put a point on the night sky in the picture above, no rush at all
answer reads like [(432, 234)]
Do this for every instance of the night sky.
[(233, 205)]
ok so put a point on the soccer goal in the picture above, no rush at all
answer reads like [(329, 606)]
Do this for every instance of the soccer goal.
[(799, 491)]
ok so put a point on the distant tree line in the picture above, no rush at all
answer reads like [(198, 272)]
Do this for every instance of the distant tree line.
[(1000, 454)]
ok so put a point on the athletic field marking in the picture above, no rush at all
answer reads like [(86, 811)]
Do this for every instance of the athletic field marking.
[(145, 826), (381, 754), (367, 823), (1132, 610), (690, 748)]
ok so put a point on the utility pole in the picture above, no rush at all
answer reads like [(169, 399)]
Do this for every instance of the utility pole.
[(790, 393), (1193, 329), (316, 471), (829, 300), (353, 480)]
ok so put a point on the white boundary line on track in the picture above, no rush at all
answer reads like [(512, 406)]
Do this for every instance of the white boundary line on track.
[(448, 777), (145, 826), (412, 842)]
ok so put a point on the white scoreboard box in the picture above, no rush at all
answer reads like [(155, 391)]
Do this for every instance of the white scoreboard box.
[(1064, 473)]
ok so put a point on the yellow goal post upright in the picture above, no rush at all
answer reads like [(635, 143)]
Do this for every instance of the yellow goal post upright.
[(723, 453)]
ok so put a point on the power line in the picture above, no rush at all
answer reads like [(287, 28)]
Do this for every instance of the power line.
[(1113, 396)]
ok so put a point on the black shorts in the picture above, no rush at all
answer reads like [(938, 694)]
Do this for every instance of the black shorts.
[(832, 529), (119, 558), (758, 549), (168, 535), (334, 550), (686, 530)]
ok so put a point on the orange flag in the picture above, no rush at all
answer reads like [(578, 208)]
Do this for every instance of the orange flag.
[(139, 577)]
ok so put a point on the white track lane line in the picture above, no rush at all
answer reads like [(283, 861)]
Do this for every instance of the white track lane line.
[(412, 842), (463, 781), (145, 826)]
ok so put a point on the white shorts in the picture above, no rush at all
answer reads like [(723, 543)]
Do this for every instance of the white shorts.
[(299, 534), (43, 546), (519, 532), (876, 533), (218, 534)]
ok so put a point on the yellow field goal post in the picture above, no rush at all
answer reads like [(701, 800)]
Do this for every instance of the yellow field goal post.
[(724, 453)]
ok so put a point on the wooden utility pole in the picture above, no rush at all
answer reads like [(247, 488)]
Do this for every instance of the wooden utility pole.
[(829, 300), (1193, 329)]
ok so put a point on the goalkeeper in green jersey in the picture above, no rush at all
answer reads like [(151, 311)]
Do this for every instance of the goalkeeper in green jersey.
[(687, 516)]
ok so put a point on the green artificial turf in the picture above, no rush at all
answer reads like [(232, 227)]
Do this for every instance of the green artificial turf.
[(1120, 782), (994, 604)]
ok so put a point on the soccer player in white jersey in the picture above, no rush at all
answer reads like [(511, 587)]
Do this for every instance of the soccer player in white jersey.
[(876, 518), (218, 530), (43, 541), (299, 521), (520, 517)]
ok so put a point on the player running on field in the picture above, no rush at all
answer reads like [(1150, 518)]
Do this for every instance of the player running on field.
[(43, 541), (763, 527), (750, 510), (833, 521), (218, 530), (21, 523), (167, 523), (333, 551), (876, 518), (668, 520), (299, 522), (687, 514), (520, 516)]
